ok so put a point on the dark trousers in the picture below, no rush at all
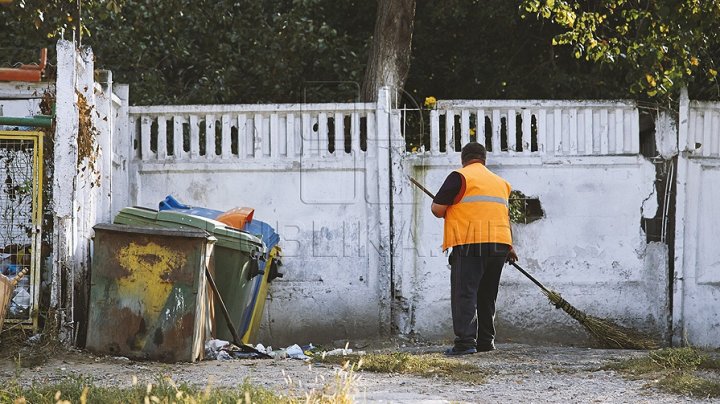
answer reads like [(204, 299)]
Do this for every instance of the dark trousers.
[(475, 277)]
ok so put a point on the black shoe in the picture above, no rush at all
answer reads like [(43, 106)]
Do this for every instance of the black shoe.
[(456, 352), (485, 348)]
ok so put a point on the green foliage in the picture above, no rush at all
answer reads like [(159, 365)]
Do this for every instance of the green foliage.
[(662, 45), (29, 25), (248, 51), (484, 50), (203, 51), (187, 51), (678, 359), (164, 390)]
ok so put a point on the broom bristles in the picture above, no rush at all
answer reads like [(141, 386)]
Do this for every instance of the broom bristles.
[(607, 333)]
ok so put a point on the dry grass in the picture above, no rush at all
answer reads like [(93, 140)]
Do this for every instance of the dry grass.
[(16, 344), (426, 365), (82, 390), (685, 371)]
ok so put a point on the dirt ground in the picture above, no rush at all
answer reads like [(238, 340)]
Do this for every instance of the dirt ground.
[(518, 373)]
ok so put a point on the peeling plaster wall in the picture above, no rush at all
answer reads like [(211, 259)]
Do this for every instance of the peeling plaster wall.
[(589, 247), (80, 188)]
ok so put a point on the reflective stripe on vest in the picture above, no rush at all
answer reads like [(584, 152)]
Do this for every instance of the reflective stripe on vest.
[(484, 198), (485, 221)]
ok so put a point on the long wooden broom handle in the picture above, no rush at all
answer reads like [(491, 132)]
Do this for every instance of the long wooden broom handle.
[(228, 320), (535, 281), (419, 185)]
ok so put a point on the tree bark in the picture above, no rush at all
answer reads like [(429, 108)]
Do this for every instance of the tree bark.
[(389, 60)]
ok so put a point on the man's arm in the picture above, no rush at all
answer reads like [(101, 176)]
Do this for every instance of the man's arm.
[(453, 187), (512, 255), (438, 210)]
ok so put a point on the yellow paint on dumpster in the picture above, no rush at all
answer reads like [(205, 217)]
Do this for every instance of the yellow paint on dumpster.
[(149, 267)]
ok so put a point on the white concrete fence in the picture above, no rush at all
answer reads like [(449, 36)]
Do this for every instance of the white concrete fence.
[(363, 255), (537, 127), (209, 132), (360, 240), (696, 286)]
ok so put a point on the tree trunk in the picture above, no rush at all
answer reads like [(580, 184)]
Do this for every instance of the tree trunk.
[(389, 60)]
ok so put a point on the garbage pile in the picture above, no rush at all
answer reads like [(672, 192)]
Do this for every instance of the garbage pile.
[(216, 349)]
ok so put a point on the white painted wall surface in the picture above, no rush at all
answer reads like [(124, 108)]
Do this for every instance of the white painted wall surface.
[(589, 247), (78, 202), (22, 99), (319, 210), (333, 213), (696, 284)]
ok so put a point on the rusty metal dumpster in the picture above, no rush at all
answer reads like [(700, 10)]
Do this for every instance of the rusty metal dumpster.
[(148, 295)]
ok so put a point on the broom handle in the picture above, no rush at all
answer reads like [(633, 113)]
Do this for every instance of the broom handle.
[(228, 320), (535, 281), (419, 185), (524, 272)]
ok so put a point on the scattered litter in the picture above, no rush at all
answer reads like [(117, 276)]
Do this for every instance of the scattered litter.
[(213, 347), (295, 352), (216, 344), (217, 349), (279, 354), (35, 339), (339, 351), (224, 356)]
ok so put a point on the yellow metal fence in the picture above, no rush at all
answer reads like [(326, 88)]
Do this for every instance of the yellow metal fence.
[(21, 165)]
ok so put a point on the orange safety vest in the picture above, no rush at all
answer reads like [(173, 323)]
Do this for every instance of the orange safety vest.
[(482, 214)]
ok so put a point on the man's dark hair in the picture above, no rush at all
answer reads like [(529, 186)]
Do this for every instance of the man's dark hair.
[(473, 151)]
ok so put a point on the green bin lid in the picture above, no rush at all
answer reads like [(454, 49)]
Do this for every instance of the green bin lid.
[(140, 212), (226, 236), (136, 216)]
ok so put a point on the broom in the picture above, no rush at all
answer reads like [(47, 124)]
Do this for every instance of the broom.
[(607, 333)]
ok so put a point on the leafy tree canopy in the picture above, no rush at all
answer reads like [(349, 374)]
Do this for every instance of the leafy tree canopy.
[(662, 45), (248, 51)]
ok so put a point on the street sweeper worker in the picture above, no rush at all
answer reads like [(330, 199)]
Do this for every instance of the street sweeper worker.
[(474, 203)]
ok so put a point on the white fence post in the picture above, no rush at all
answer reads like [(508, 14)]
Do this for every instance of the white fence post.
[(678, 321), (105, 126), (121, 152), (64, 175), (378, 182)]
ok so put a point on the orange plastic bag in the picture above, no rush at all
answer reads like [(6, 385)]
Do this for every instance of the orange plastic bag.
[(236, 217)]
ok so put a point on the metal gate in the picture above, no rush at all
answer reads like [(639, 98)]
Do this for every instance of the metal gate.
[(20, 220)]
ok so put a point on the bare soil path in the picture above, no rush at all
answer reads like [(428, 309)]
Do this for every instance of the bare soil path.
[(517, 374)]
